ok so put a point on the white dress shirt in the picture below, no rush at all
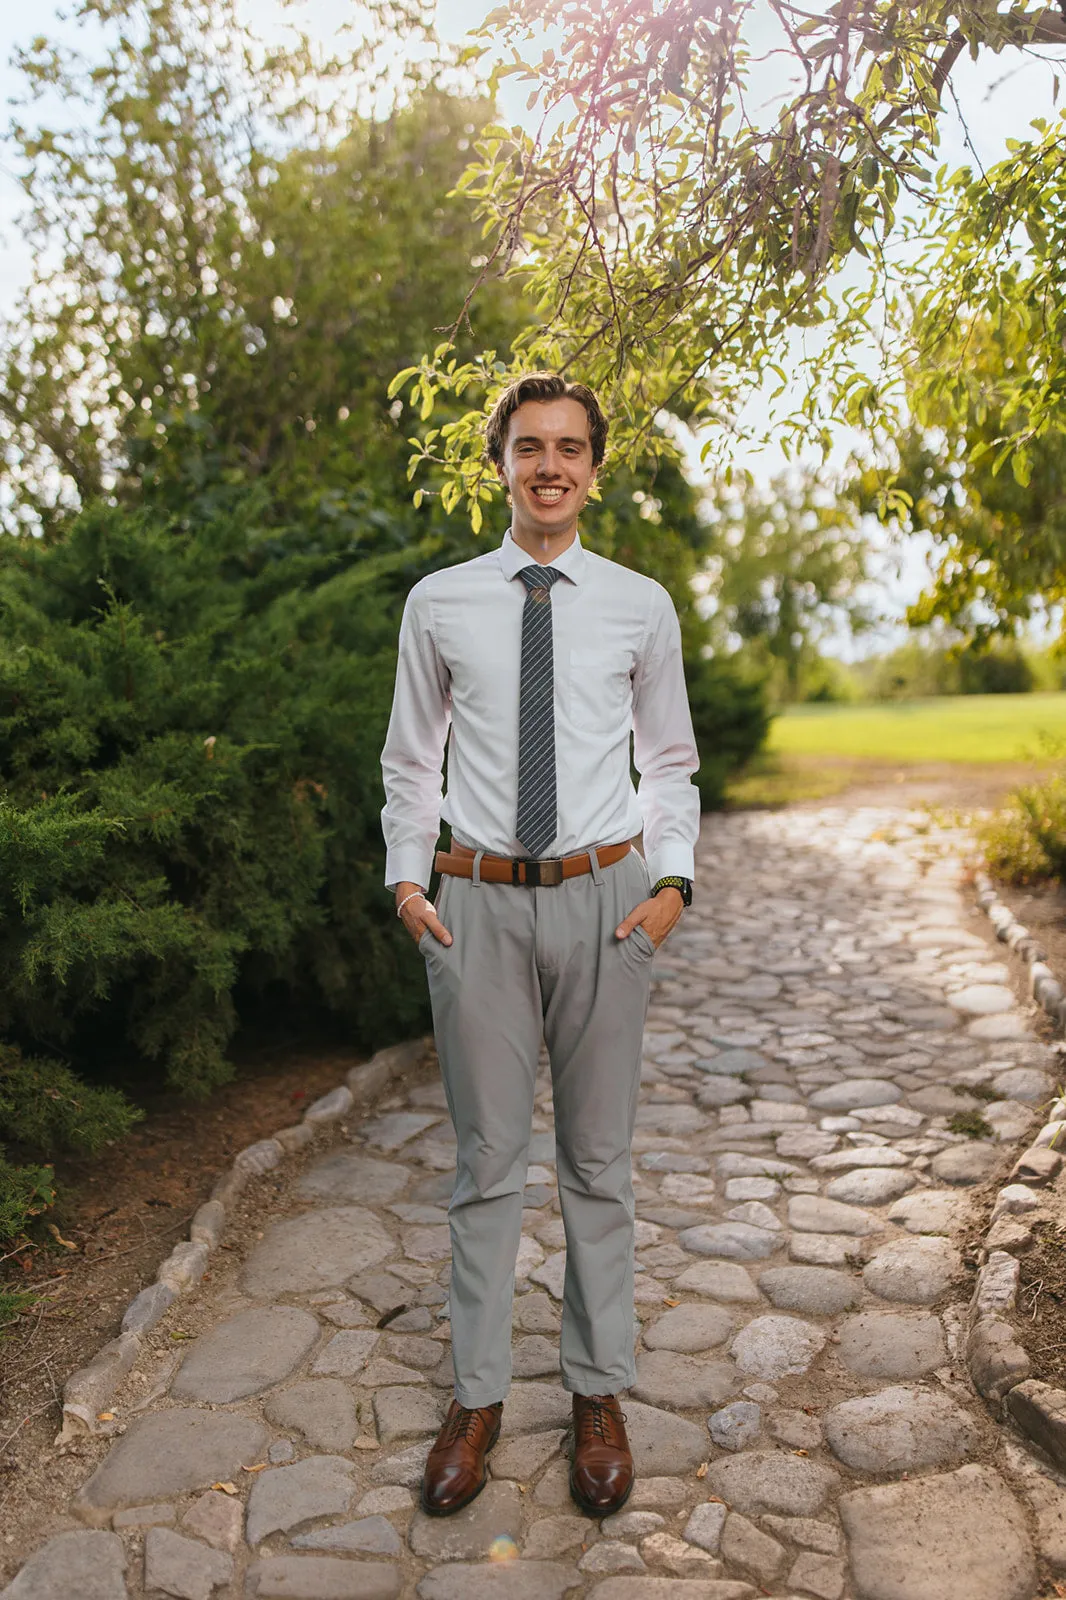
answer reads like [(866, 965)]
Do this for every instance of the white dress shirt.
[(617, 651)]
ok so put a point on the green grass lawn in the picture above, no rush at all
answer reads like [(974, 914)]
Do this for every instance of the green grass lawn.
[(974, 728)]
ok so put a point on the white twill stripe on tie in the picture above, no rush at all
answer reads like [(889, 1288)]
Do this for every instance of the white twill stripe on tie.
[(537, 823)]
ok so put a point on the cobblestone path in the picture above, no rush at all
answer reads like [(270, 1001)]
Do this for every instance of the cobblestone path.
[(802, 1421)]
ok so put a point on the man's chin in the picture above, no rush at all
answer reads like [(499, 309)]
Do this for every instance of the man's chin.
[(550, 519)]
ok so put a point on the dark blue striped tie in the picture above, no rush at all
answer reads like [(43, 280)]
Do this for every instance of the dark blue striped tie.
[(537, 824)]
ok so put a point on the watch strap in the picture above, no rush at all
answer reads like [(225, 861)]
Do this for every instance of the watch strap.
[(682, 885)]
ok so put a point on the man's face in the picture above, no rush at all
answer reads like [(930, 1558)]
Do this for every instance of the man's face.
[(547, 465)]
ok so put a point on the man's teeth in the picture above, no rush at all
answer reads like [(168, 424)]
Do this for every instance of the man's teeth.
[(549, 494)]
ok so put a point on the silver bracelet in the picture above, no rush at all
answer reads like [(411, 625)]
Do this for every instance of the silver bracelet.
[(413, 896)]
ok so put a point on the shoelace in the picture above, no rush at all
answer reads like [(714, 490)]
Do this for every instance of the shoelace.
[(597, 1419), (462, 1425)]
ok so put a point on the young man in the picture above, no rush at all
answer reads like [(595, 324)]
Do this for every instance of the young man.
[(535, 662)]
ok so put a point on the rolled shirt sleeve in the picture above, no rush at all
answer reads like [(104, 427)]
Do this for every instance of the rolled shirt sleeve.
[(413, 757), (664, 747)]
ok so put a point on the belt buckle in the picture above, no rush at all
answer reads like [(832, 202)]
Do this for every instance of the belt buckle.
[(544, 874)]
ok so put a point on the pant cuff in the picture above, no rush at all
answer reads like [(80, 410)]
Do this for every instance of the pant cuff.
[(588, 1386), (474, 1399)]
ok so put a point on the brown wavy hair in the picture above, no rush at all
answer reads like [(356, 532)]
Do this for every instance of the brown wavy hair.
[(543, 386)]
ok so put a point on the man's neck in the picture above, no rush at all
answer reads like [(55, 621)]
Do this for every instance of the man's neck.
[(543, 549)]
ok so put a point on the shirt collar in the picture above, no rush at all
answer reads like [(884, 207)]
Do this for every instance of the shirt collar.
[(513, 558)]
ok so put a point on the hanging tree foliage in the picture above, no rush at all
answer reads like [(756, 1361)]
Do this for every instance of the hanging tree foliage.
[(685, 238)]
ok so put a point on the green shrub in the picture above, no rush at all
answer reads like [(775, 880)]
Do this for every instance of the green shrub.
[(730, 717), (1025, 840), (190, 726), (920, 669), (25, 1191), (825, 681), (44, 1109), (43, 1106)]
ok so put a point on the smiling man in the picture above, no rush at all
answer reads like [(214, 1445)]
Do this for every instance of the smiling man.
[(535, 663)]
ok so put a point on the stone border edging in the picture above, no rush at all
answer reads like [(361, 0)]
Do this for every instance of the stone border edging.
[(998, 1365), (89, 1390)]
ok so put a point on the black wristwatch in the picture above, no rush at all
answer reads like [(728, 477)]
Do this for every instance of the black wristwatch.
[(683, 885)]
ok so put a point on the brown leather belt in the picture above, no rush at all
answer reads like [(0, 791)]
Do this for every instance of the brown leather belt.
[(459, 863)]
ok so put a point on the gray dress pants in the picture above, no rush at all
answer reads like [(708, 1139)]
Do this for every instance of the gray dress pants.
[(526, 965)]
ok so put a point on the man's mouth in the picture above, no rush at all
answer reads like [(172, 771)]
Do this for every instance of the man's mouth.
[(548, 496)]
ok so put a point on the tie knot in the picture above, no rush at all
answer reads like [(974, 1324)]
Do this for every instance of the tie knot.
[(539, 580)]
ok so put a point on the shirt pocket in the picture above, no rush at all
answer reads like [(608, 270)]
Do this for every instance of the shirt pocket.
[(600, 687)]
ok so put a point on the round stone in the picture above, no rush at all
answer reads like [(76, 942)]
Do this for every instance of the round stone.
[(666, 1378), (283, 1497), (970, 1162), (736, 1426), (755, 1213), (758, 1483), (661, 1442), (752, 1189), (865, 1156), (1008, 1026), (245, 1354), (688, 1188), (723, 1091), (812, 1213), (737, 1241), (357, 1180), (720, 1280), (773, 1347), (317, 1250), (956, 1533), (1024, 1083), (689, 1328), (928, 1211), (915, 1271), (891, 1344), (322, 1409), (168, 1453), (870, 1186), (817, 1291), (805, 1143), (89, 1565), (982, 999), (855, 1092), (900, 1430)]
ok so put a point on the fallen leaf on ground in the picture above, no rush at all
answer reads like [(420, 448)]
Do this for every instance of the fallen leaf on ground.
[(260, 1468), (227, 1488), (105, 1416), (701, 1470), (68, 1244), (671, 1300)]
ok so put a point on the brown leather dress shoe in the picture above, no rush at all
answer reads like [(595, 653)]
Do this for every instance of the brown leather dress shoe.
[(601, 1469), (456, 1471)]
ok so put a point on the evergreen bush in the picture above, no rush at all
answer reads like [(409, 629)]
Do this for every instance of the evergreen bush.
[(189, 741)]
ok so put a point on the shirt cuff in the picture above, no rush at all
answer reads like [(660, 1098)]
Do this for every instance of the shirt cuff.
[(408, 864), (672, 861)]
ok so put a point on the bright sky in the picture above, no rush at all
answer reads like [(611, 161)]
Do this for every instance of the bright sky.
[(997, 97)]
